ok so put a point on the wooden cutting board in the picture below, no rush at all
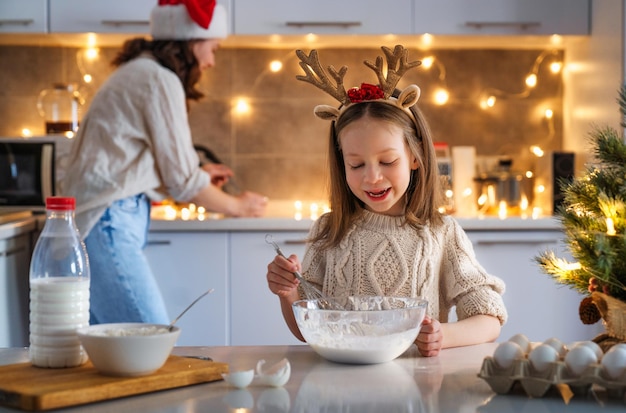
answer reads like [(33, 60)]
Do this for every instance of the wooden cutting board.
[(32, 388)]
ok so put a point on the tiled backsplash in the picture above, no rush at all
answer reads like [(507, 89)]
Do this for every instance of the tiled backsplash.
[(279, 147)]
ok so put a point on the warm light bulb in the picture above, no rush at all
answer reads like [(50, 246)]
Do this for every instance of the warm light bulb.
[(549, 113), (242, 106), (427, 39), (441, 97), (555, 67), (27, 133), (92, 53), (427, 62), (276, 66), (531, 80), (537, 151), (610, 227), (87, 78), (529, 174), (488, 102)]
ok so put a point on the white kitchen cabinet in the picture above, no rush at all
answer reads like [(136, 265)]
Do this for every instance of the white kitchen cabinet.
[(23, 16), (538, 307), (15, 252), (256, 317), (186, 264), (502, 17), (100, 16), (103, 16), (322, 17)]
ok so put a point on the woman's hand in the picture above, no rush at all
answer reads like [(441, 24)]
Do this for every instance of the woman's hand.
[(280, 278), (251, 204), (220, 174), (430, 338)]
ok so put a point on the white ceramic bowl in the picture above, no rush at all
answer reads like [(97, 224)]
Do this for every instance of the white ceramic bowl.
[(128, 349), (368, 330)]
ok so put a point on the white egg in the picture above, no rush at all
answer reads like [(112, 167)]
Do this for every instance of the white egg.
[(579, 358), (506, 352), (522, 341), (614, 361), (592, 345), (558, 345), (541, 356)]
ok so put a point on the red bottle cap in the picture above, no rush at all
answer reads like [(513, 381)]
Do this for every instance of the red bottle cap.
[(60, 203)]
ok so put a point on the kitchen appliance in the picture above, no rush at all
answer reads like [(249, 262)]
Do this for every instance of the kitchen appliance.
[(504, 190), (553, 169), (60, 106), (27, 172)]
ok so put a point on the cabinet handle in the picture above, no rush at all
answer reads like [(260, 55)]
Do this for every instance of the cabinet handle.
[(159, 242), (14, 251), (294, 241), (512, 25), (517, 242), (16, 22), (119, 23), (344, 25)]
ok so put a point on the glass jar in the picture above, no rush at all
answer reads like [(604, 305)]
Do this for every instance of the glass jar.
[(60, 107)]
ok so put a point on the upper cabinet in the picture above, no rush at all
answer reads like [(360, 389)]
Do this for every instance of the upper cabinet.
[(110, 16), (322, 17), (502, 17), (23, 16)]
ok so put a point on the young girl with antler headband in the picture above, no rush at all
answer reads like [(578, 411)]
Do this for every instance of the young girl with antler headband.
[(384, 234)]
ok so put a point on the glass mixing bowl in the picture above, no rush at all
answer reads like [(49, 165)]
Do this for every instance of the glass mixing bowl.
[(368, 330)]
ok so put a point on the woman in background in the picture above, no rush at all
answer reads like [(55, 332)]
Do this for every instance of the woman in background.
[(134, 145)]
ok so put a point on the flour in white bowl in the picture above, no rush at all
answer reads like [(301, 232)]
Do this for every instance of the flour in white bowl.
[(135, 331)]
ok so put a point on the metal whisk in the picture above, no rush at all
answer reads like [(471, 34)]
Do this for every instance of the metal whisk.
[(310, 291)]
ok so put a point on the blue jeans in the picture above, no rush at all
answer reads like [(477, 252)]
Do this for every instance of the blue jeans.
[(123, 288)]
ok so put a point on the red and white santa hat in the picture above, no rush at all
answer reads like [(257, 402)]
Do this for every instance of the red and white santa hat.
[(188, 19)]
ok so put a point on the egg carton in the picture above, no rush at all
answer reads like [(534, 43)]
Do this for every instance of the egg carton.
[(538, 383)]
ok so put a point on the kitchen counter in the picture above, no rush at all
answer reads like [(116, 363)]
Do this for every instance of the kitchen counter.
[(448, 383)]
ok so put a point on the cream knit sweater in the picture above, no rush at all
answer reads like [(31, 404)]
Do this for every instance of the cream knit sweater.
[(379, 256)]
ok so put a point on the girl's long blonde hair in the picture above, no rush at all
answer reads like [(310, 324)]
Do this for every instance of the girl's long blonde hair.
[(424, 194)]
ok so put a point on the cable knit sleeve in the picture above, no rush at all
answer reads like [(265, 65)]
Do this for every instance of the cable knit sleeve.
[(314, 262), (465, 283)]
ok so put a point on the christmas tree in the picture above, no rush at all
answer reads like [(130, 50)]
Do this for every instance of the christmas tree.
[(593, 216)]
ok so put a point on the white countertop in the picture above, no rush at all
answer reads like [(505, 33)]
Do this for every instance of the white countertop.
[(444, 384), (291, 224)]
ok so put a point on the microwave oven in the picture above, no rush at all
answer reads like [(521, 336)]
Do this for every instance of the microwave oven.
[(28, 172)]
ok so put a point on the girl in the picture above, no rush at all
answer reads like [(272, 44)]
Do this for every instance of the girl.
[(134, 145), (384, 234)]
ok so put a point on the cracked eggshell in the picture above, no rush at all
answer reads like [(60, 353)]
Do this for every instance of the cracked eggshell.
[(276, 375), (239, 379)]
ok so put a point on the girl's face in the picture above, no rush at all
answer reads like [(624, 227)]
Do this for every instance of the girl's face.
[(204, 51), (378, 164)]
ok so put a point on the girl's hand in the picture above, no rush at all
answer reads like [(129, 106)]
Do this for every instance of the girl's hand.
[(280, 278), (430, 338)]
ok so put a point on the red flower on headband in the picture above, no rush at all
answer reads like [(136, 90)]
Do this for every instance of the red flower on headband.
[(365, 92), (200, 11)]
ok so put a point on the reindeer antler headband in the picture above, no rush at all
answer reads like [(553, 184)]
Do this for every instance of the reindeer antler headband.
[(397, 65)]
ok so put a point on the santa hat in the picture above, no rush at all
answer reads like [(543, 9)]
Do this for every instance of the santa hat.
[(188, 19)]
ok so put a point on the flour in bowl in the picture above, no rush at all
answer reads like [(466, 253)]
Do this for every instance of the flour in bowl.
[(135, 331)]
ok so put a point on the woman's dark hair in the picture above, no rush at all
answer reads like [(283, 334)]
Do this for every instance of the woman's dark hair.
[(176, 55)]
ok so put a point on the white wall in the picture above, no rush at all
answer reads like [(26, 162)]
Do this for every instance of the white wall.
[(593, 77)]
